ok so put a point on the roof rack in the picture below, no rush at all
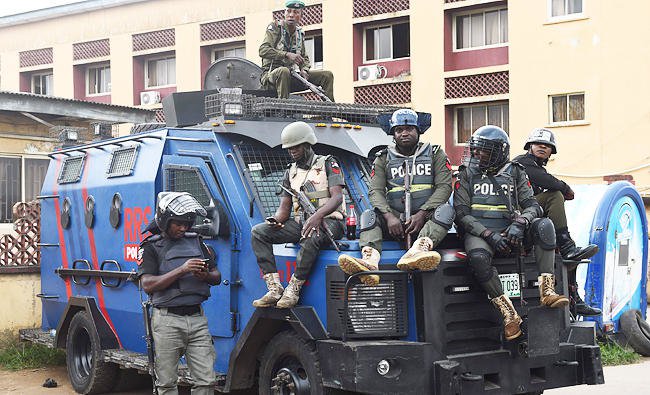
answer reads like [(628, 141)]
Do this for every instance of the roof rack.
[(232, 104)]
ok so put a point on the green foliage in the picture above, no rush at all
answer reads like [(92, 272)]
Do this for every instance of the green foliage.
[(16, 355), (613, 354)]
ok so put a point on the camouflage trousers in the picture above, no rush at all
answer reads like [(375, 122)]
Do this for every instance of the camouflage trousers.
[(280, 79)]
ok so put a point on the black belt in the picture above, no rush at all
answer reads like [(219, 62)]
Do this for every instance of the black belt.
[(185, 310)]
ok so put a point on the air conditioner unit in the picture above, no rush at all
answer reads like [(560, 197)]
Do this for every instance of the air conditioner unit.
[(368, 73), (149, 97)]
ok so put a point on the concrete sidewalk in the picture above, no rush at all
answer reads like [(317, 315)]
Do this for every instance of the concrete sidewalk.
[(633, 379)]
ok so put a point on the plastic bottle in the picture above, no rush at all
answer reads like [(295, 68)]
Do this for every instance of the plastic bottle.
[(351, 224)]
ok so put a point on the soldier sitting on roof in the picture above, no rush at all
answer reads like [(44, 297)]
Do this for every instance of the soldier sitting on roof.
[(282, 48)]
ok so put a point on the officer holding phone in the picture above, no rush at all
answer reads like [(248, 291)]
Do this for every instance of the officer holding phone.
[(177, 270)]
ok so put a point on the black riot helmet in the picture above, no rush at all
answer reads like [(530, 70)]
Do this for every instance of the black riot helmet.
[(180, 206), (489, 149), (541, 136)]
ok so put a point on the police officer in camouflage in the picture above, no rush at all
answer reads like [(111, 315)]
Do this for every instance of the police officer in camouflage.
[(496, 211), (284, 48), (431, 215), (321, 179), (177, 270), (551, 193)]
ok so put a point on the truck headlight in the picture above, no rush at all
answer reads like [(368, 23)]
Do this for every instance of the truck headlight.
[(383, 367)]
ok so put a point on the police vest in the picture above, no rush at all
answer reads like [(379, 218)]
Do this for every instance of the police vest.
[(316, 187), (187, 290), (489, 206), (422, 177)]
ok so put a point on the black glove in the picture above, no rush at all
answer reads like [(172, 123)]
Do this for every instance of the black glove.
[(498, 242), (515, 231)]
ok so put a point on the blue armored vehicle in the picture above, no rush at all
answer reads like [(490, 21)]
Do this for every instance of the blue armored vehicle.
[(418, 333)]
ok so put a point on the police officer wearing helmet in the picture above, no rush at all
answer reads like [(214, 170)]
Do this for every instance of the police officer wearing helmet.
[(431, 215), (551, 193), (177, 270), (283, 48), (321, 179), (496, 211)]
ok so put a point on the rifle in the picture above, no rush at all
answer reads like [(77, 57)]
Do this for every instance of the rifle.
[(314, 88), (309, 210), (407, 198), (149, 339)]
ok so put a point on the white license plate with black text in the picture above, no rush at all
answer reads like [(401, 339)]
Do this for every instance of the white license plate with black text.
[(510, 284)]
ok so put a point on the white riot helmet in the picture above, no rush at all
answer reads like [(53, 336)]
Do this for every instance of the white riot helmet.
[(297, 133), (543, 136), (180, 206)]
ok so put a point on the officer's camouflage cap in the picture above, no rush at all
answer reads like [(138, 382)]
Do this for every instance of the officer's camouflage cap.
[(295, 4)]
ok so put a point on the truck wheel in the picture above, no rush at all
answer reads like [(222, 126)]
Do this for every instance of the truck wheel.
[(290, 366), (88, 372), (637, 331)]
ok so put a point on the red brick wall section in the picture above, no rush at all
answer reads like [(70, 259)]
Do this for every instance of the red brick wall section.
[(453, 1), (477, 85), (91, 49), (22, 250), (223, 29), (362, 8), (311, 15), (36, 57), (151, 40), (619, 177), (395, 93)]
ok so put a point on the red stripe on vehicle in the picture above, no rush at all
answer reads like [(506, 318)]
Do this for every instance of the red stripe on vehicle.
[(59, 228), (93, 253)]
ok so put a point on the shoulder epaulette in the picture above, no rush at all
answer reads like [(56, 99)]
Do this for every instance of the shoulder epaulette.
[(519, 165), (191, 235), (150, 239)]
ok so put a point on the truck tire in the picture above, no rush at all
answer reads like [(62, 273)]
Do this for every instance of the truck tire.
[(290, 364), (88, 372), (637, 331)]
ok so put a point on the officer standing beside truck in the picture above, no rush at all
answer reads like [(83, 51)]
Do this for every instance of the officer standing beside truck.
[(496, 211), (431, 215), (282, 48), (321, 180), (177, 270), (551, 193)]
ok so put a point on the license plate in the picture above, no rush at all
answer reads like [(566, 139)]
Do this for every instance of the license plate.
[(510, 284)]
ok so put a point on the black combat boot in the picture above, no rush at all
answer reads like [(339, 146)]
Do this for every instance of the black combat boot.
[(569, 250), (578, 306)]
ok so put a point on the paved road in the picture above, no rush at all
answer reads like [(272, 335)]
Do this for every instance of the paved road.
[(621, 380)]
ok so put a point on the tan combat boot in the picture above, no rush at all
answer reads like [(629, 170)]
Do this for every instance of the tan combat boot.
[(291, 294), (511, 320), (420, 256), (547, 295), (369, 261), (275, 291)]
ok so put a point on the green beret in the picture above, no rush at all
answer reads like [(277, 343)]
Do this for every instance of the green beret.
[(295, 4)]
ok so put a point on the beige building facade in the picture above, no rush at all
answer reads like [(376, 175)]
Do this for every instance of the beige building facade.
[(573, 66)]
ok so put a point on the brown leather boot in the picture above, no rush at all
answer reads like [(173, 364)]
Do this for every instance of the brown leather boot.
[(420, 256), (291, 294), (275, 291), (369, 261), (547, 295), (511, 320)]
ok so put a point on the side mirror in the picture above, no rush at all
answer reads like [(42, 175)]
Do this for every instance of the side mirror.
[(215, 224)]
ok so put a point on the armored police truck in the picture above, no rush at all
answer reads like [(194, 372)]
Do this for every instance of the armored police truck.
[(413, 333)]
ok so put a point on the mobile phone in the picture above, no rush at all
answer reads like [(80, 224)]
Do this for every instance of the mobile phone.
[(271, 220)]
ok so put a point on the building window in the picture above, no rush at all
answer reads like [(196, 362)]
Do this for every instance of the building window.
[(227, 52), (314, 49), (387, 42), (567, 108), (481, 29), (15, 172), (470, 118), (160, 72), (98, 80), (43, 84), (561, 8)]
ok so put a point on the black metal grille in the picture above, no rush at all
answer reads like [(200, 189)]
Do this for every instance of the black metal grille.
[(184, 179), (71, 171), (373, 312), (122, 161), (264, 169), (234, 104)]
